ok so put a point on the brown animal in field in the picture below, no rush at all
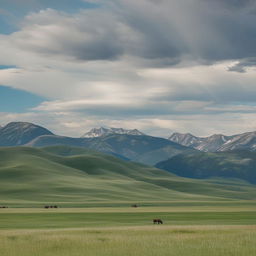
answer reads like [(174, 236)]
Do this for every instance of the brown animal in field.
[(157, 221)]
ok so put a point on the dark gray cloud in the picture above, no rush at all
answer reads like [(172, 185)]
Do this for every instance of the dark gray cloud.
[(234, 3), (81, 37), (164, 33), (207, 31), (243, 64)]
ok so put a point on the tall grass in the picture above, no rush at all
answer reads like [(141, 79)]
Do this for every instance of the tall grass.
[(132, 241)]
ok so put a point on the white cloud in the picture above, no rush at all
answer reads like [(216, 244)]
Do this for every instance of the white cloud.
[(143, 63)]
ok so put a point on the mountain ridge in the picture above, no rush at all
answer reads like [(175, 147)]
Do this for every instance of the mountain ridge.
[(126, 144), (217, 142), (103, 131), (20, 133)]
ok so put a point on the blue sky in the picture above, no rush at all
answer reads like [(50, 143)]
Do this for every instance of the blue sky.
[(159, 66), (17, 101), (13, 11), (6, 67)]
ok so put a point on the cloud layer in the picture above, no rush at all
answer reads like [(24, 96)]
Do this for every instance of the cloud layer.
[(182, 63)]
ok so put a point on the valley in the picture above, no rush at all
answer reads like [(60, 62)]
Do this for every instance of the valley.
[(210, 212)]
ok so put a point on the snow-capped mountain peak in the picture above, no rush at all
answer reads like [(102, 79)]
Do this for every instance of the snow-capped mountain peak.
[(217, 142), (102, 131)]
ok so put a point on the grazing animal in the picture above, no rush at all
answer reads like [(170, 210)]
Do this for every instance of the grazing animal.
[(50, 206), (157, 221), (135, 205)]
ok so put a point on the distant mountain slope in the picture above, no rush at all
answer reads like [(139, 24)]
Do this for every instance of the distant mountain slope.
[(245, 141), (20, 133), (125, 144), (233, 164), (217, 142), (38, 176), (140, 148), (102, 131), (186, 139)]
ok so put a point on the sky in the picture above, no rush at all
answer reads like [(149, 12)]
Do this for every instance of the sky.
[(160, 66)]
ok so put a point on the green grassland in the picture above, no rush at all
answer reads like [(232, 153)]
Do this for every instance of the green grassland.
[(133, 241), (94, 192), (76, 218), (127, 231), (73, 177)]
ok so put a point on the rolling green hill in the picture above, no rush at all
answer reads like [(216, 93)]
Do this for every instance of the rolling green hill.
[(75, 176), (143, 149), (232, 164)]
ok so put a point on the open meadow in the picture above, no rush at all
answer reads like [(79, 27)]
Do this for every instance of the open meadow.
[(94, 194), (189, 229)]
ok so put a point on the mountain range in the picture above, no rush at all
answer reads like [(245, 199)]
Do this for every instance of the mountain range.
[(217, 142), (125, 144)]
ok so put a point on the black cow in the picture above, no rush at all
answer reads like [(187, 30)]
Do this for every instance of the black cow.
[(157, 221)]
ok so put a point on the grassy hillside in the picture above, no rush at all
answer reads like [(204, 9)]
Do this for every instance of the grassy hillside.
[(144, 149), (30, 176), (233, 164)]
